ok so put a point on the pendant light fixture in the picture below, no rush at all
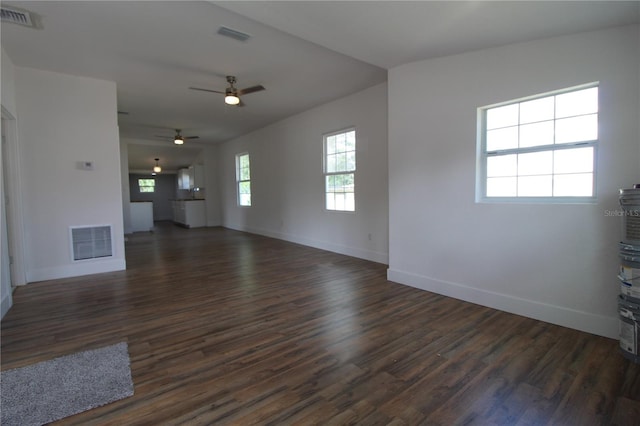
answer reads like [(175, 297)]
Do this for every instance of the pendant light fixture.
[(157, 168)]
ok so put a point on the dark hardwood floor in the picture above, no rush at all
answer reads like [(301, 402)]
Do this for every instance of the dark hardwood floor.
[(225, 327)]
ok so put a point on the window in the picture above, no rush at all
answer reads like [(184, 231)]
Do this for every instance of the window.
[(147, 185), (540, 148), (243, 177), (339, 170)]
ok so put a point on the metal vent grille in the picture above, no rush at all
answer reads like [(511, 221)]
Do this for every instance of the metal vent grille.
[(632, 225), (630, 202), (236, 35), (14, 15), (91, 242)]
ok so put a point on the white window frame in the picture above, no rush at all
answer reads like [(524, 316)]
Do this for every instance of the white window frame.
[(348, 171), (240, 181), (483, 154), (153, 187)]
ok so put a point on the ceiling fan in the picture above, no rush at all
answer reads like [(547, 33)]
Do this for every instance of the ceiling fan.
[(231, 93), (178, 139)]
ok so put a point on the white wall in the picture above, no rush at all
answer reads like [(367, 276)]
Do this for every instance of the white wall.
[(287, 184), (210, 160), (64, 119), (557, 263)]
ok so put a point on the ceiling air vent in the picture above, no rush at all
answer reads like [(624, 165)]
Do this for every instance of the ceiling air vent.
[(236, 35), (14, 15)]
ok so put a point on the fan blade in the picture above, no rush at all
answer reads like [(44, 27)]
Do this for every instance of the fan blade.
[(163, 137), (206, 90), (251, 89), (191, 137)]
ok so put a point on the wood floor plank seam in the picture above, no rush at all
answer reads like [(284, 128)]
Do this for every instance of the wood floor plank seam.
[(225, 327)]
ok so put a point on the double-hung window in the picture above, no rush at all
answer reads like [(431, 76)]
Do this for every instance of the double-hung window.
[(146, 185), (339, 170), (243, 179), (542, 148)]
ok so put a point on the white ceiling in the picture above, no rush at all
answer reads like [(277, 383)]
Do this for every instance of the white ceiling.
[(305, 53), (391, 33)]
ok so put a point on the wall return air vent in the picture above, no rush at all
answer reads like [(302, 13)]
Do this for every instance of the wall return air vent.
[(91, 242), (15, 15)]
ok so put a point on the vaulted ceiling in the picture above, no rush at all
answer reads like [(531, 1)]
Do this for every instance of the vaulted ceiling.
[(305, 53)]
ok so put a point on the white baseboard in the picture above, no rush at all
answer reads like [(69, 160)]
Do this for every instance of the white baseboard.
[(76, 270), (554, 314), (370, 255)]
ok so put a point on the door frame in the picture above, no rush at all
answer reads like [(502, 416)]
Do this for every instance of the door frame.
[(13, 197)]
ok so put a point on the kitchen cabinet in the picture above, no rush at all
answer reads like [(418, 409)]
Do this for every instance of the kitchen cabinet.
[(189, 213), (196, 176), (141, 213), (184, 179), (179, 216), (191, 177)]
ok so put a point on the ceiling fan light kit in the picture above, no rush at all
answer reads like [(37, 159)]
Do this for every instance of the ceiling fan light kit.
[(231, 97), (231, 93), (178, 139), (231, 100)]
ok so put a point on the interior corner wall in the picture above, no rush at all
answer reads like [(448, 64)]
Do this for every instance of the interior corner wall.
[(287, 183), (64, 120), (553, 262)]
